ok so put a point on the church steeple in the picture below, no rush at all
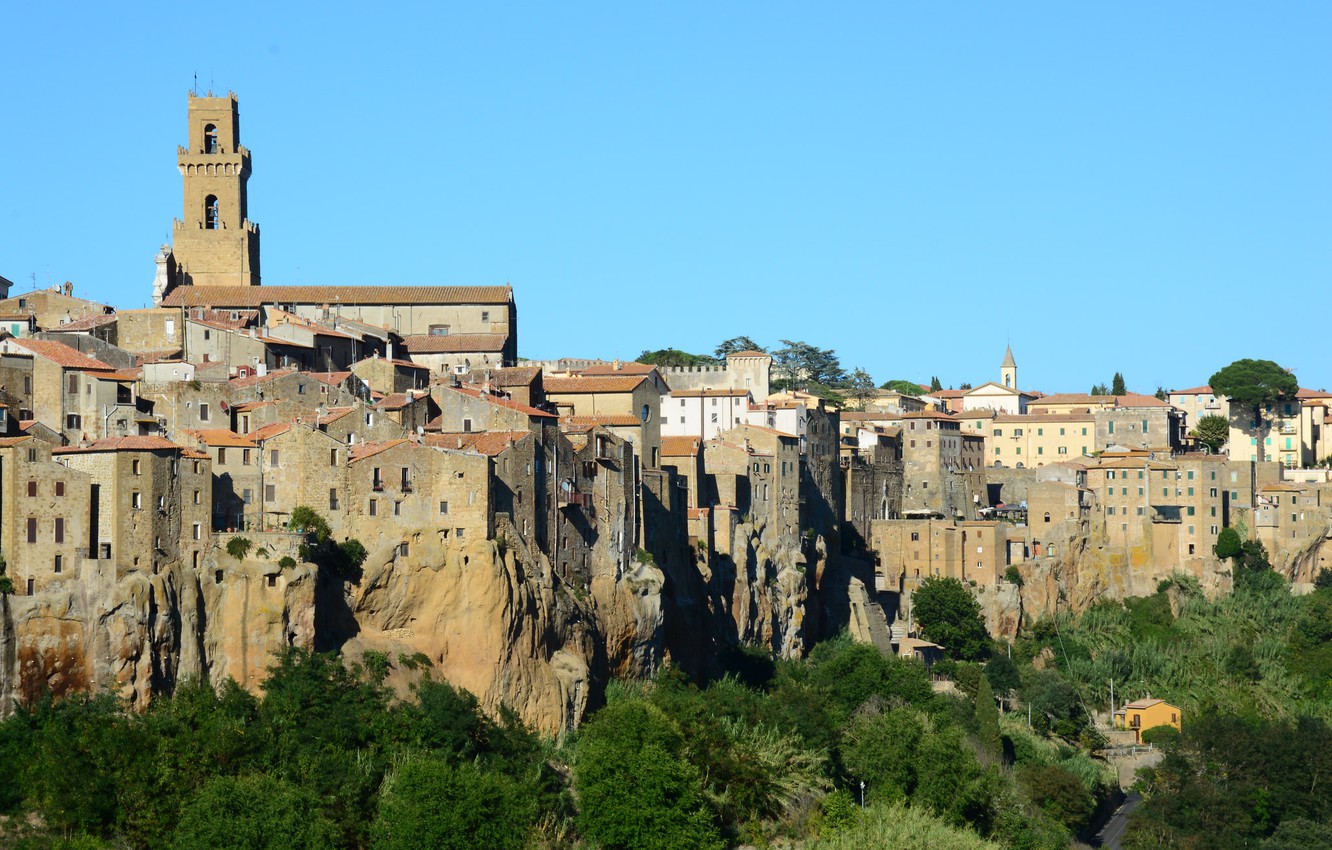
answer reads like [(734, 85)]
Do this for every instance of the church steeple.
[(1008, 370), (215, 244)]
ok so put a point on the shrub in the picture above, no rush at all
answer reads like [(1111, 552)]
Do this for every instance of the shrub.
[(287, 562), (1013, 575), (306, 519), (239, 547)]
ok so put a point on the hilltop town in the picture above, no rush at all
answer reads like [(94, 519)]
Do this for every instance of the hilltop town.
[(188, 488)]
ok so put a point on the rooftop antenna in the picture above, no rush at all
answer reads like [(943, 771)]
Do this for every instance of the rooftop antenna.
[(195, 90)]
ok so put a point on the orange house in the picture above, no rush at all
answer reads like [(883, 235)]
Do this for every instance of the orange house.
[(1146, 713)]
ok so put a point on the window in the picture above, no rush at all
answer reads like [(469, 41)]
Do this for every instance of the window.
[(485, 315), (198, 497), (332, 499), (210, 138), (998, 432), (60, 488), (211, 219), (247, 496), (203, 412), (458, 533), (397, 508), (197, 531), (406, 477), (136, 500), (467, 426), (59, 563), (402, 549), (376, 480), (1112, 426), (73, 421), (439, 330), (32, 489), (222, 456), (443, 507), (60, 530), (73, 384), (332, 457), (273, 457), (374, 507), (270, 492), (32, 529)]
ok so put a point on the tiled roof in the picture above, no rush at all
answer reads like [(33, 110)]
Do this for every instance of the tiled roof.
[(247, 406), (254, 380), (194, 454), (1038, 418), (6, 442), (1312, 394), (679, 446), (365, 450), (87, 323), (502, 402), (220, 437), (507, 376), (1203, 390), (489, 443), (761, 429), (331, 378), (949, 393), (254, 296), (112, 376), (601, 384), (62, 355), (397, 401), (333, 414), (269, 431), (121, 444), (610, 420), (161, 355), (454, 343)]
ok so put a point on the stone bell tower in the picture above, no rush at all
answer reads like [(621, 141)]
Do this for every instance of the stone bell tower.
[(215, 244)]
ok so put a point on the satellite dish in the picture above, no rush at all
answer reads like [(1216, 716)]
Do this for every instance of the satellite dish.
[(420, 430), (224, 406)]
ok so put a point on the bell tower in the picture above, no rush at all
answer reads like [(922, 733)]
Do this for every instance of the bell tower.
[(215, 243), (1008, 370)]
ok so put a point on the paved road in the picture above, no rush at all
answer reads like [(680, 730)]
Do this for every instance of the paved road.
[(1113, 831)]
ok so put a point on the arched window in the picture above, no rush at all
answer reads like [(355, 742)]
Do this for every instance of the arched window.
[(211, 219), (210, 138), (1047, 516)]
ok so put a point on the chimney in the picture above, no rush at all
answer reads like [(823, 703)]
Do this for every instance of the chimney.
[(615, 364)]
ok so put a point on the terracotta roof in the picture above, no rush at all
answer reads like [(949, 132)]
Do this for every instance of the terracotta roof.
[(247, 406), (194, 454), (948, 393), (397, 401), (748, 427), (508, 376), (502, 402), (750, 353), (1203, 390), (406, 364), (618, 367), (365, 450), (87, 323), (220, 437), (454, 343), (333, 414), (269, 431), (610, 420), (254, 296), (254, 380), (6, 442), (63, 355), (489, 443), (599, 384), (1126, 400), (1143, 703), (122, 444), (929, 414), (330, 378), (1039, 418), (679, 446), (1310, 394), (112, 376), (161, 355), (983, 413)]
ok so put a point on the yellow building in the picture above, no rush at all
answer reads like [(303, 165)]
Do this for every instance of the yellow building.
[(1032, 440), (1147, 714)]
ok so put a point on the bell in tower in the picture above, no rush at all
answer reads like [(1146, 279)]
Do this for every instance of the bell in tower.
[(215, 243)]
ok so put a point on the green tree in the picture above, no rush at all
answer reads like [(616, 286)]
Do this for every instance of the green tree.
[(860, 388), (1228, 544), (803, 365), (949, 615), (675, 357), (1003, 675), (634, 789), (1255, 384), (253, 813), (307, 520), (239, 547), (935, 384), (736, 344), (1161, 393), (1117, 385), (1060, 793), (898, 385), (1212, 432), (430, 803), (6, 583)]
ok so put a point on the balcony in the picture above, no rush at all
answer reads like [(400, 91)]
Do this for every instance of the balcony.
[(580, 500)]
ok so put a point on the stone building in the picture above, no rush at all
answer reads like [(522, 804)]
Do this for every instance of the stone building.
[(52, 308), (911, 550), (73, 393), (636, 396), (873, 471), (45, 508), (942, 467)]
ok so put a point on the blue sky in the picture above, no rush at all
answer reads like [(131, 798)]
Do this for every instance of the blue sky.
[(1141, 187)]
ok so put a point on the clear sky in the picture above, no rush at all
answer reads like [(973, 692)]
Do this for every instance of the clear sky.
[(1141, 187)]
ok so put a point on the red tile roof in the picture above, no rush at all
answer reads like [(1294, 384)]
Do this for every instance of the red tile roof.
[(269, 431), (220, 437), (122, 444), (507, 376), (87, 323), (365, 450), (610, 420), (1203, 390), (502, 402), (254, 380), (454, 343), (63, 355), (330, 378), (489, 443), (255, 296), (679, 446), (600, 384)]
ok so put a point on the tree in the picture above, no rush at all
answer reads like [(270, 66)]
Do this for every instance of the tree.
[(965, 385), (860, 387), (253, 813), (1161, 393), (1100, 389), (1255, 384), (6, 583), (987, 720), (306, 519), (675, 357), (1228, 544), (432, 804), (1117, 385), (902, 387), (935, 384), (239, 547), (736, 344), (801, 365), (949, 615), (1212, 432)]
